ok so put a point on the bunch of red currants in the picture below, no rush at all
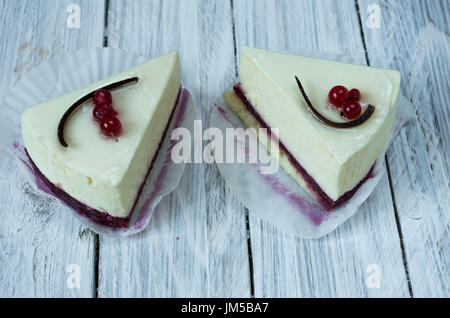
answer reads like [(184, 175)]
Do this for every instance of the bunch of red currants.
[(105, 114), (348, 101)]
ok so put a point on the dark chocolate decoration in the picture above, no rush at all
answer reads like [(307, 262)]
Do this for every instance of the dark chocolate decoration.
[(348, 124), (65, 118)]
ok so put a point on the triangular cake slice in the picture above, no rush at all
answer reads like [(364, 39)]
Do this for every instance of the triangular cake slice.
[(330, 163), (102, 177)]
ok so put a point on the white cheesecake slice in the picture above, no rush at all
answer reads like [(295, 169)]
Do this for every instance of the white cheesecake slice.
[(330, 163), (102, 177)]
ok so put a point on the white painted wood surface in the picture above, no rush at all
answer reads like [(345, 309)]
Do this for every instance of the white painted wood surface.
[(39, 242), (197, 243), (418, 45)]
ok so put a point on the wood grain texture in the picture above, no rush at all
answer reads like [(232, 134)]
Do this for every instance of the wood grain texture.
[(195, 245), (38, 241), (334, 266), (418, 45), (227, 234)]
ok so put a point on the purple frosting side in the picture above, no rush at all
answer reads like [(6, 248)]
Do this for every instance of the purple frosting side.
[(93, 214), (312, 185)]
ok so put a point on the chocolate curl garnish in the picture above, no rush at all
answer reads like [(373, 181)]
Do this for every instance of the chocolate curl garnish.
[(348, 124), (65, 118)]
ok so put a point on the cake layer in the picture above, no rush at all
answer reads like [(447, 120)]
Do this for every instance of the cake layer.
[(337, 159), (240, 105), (101, 173)]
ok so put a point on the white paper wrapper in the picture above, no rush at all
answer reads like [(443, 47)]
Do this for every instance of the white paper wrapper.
[(63, 74), (277, 198)]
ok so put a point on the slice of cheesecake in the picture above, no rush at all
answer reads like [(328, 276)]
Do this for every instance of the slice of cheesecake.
[(330, 163), (102, 175)]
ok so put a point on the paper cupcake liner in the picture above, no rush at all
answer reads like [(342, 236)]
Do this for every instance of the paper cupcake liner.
[(277, 198), (63, 74)]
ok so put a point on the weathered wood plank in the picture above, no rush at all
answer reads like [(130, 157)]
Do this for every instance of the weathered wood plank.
[(37, 241), (334, 265), (227, 236), (196, 243), (413, 38)]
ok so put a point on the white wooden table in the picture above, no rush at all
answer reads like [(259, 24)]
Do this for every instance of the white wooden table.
[(202, 242)]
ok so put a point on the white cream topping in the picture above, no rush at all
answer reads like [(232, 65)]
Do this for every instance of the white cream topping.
[(337, 159), (98, 171)]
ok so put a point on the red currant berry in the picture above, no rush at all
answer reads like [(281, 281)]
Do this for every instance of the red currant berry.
[(354, 95), (352, 110), (337, 96), (102, 111), (111, 126), (102, 97)]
